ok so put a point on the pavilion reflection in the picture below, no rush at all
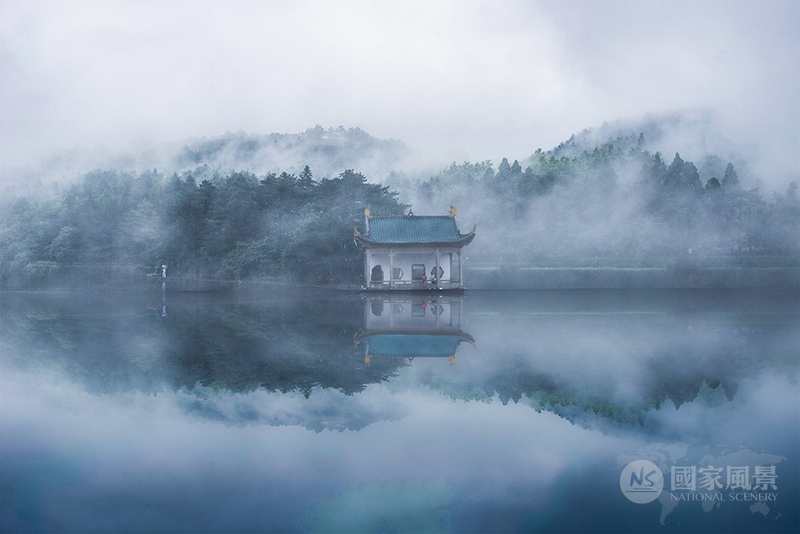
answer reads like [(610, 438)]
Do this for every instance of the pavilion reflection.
[(412, 326)]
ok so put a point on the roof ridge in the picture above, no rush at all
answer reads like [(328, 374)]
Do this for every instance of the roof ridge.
[(415, 216)]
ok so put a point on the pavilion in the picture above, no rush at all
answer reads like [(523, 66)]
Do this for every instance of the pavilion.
[(412, 252)]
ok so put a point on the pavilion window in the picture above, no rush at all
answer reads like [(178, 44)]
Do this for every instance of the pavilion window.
[(377, 274), (418, 272)]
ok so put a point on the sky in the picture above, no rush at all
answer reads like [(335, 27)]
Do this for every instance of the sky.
[(453, 79)]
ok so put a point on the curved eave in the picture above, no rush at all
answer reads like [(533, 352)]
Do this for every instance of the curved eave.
[(462, 336), (463, 241), (407, 345)]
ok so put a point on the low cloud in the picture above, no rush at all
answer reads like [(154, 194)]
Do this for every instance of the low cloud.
[(455, 81)]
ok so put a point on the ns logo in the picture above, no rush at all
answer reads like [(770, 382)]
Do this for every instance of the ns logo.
[(641, 481)]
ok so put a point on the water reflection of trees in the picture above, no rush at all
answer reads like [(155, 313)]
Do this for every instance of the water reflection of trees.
[(295, 345), (675, 350), (303, 344)]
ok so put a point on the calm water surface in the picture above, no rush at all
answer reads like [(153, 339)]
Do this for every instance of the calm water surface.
[(326, 412)]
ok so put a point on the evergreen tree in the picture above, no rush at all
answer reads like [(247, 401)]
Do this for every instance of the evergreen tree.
[(691, 178), (713, 184), (504, 169), (654, 169), (306, 180), (672, 177), (730, 180), (682, 176)]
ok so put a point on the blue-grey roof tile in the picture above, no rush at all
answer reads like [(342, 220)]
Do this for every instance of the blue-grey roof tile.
[(413, 229), (420, 345)]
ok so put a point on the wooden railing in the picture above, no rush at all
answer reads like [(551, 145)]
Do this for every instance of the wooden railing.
[(430, 285)]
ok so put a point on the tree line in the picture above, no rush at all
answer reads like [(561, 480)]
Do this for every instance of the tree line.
[(230, 226), (617, 199)]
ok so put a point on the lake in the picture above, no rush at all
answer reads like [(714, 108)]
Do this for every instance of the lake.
[(324, 411)]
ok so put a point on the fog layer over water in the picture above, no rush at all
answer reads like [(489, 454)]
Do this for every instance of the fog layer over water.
[(328, 412)]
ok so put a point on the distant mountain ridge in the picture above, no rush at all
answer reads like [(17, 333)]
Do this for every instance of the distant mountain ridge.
[(659, 191), (240, 206), (696, 135), (328, 151)]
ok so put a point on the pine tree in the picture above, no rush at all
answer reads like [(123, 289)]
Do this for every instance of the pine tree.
[(690, 178), (682, 175), (504, 170), (672, 178), (654, 170), (713, 184), (730, 180), (306, 180)]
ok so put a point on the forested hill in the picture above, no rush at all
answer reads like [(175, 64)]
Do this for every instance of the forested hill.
[(616, 203), (221, 226), (328, 151)]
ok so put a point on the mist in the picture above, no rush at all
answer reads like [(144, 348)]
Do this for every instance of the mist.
[(453, 266), (257, 407), (203, 122), (455, 80)]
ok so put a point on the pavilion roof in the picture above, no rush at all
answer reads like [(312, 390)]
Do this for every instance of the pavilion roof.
[(415, 345), (414, 230)]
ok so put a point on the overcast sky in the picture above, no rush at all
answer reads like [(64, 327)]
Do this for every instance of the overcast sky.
[(456, 79)]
